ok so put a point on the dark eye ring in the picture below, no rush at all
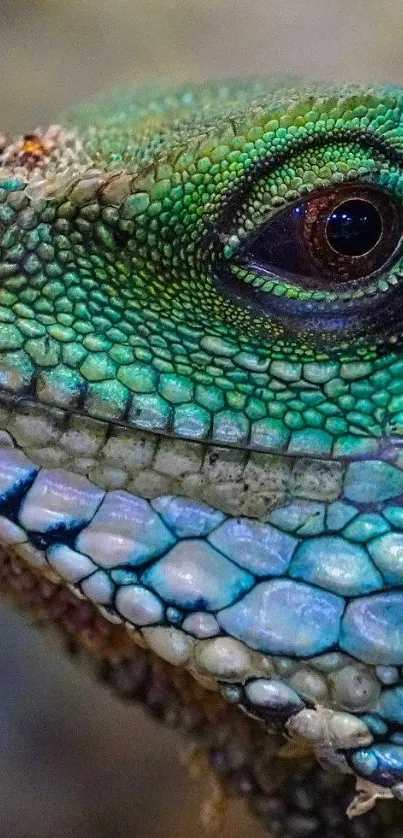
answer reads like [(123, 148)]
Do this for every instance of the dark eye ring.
[(354, 227), (332, 237)]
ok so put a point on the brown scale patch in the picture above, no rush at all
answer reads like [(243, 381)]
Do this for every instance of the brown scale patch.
[(33, 149), (30, 151), (47, 151)]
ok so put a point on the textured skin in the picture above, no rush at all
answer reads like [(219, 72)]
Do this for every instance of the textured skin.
[(208, 451)]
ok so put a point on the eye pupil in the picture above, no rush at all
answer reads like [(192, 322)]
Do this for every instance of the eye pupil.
[(354, 227)]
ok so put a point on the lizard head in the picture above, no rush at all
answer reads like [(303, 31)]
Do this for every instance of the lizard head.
[(202, 375), (218, 267)]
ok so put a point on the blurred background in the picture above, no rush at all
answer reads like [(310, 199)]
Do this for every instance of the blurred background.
[(55, 51), (74, 763)]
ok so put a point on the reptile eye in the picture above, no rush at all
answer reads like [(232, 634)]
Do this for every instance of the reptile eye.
[(332, 237)]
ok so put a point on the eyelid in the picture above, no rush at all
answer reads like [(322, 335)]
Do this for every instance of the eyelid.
[(366, 141), (383, 158)]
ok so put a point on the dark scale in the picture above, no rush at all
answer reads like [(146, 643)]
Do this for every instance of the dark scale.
[(354, 227)]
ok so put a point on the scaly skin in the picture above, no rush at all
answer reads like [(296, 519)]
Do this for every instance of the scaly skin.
[(201, 398)]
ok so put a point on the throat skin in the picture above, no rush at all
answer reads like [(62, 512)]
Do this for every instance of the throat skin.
[(200, 479)]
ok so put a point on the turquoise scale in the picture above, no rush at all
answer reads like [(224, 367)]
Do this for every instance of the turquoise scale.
[(315, 579)]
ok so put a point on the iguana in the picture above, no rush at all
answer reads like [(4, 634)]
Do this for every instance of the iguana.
[(201, 421)]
